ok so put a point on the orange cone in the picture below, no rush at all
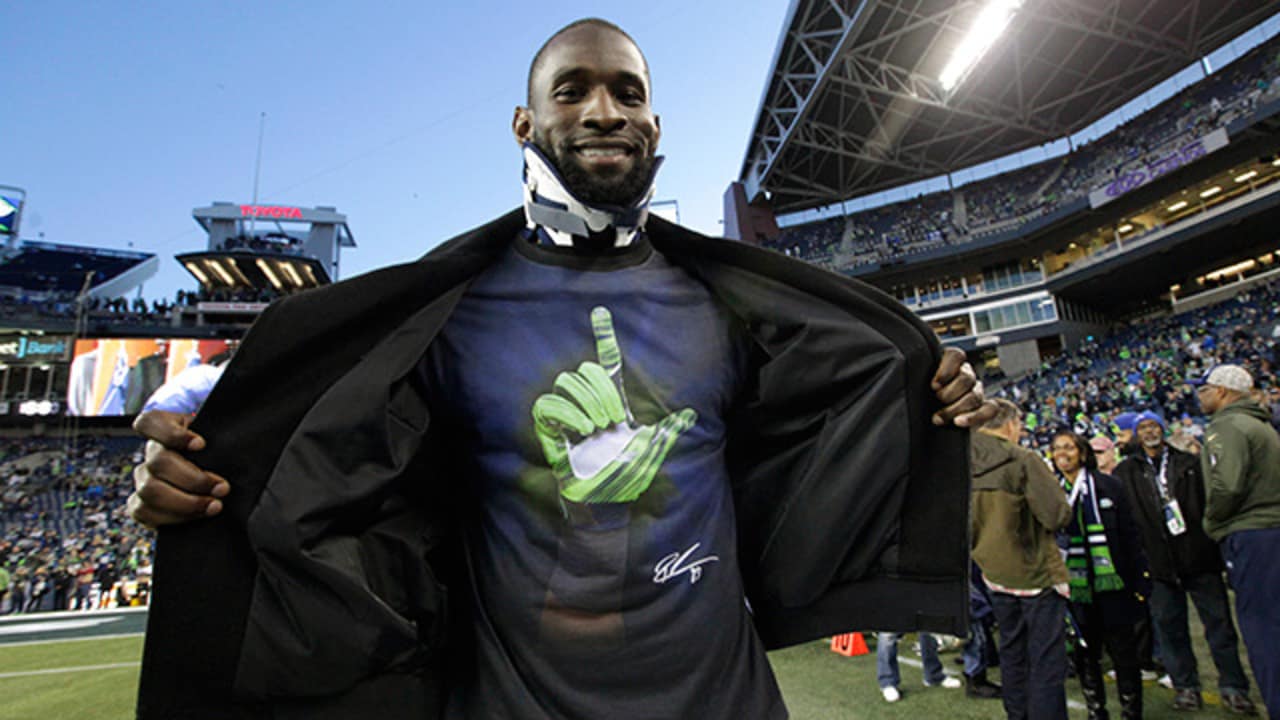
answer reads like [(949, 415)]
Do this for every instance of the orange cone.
[(849, 644)]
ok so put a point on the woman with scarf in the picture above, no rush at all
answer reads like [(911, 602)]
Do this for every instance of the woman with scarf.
[(1107, 573)]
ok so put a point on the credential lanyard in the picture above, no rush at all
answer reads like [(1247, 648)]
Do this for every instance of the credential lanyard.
[(1162, 480)]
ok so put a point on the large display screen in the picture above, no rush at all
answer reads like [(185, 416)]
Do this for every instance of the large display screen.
[(121, 376)]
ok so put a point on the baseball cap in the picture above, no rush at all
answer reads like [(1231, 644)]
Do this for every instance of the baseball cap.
[(1126, 420), (1146, 415), (1231, 377)]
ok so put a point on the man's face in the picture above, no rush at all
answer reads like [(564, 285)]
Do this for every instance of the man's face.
[(1150, 433), (1210, 398), (589, 114)]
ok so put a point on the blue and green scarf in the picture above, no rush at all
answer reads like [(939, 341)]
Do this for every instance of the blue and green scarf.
[(1090, 567)]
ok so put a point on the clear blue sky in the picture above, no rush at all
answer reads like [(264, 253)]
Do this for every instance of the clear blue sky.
[(119, 120)]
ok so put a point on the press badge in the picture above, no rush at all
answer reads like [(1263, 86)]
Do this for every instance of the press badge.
[(1173, 518)]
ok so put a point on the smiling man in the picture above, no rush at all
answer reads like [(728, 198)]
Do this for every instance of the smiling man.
[(606, 153), (577, 463)]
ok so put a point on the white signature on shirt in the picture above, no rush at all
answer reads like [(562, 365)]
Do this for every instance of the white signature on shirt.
[(671, 566)]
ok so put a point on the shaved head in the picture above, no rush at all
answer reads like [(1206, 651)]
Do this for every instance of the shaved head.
[(584, 22)]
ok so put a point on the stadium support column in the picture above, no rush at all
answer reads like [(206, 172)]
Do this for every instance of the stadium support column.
[(752, 223)]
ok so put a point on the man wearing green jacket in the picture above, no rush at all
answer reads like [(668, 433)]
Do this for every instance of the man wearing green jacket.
[(1241, 462), (1017, 507)]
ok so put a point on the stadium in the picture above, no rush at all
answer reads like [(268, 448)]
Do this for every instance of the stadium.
[(1080, 196)]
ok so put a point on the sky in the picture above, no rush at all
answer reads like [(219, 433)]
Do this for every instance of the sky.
[(120, 120)]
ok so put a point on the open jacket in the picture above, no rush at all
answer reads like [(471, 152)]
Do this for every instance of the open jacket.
[(324, 588), (1171, 557)]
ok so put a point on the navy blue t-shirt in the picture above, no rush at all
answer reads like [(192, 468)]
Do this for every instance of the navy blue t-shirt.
[(588, 396)]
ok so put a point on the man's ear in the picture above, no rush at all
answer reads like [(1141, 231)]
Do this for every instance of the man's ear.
[(522, 125), (657, 131)]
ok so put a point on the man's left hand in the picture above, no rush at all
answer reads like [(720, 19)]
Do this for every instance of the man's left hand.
[(959, 392)]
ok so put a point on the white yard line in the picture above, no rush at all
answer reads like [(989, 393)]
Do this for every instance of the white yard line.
[(70, 639), (55, 671)]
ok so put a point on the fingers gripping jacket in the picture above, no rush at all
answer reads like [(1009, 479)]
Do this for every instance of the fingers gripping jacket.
[(596, 449)]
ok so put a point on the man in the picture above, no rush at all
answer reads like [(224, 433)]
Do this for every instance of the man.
[(528, 475), (1105, 450), (1166, 491), (1241, 465), (1123, 426), (888, 675), (1017, 507)]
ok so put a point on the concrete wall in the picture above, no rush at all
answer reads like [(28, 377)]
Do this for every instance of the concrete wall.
[(1018, 357)]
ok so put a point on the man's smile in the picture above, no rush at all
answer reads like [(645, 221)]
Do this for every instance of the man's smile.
[(604, 153)]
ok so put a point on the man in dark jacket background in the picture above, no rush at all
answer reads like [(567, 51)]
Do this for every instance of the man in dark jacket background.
[(1166, 493), (1017, 507)]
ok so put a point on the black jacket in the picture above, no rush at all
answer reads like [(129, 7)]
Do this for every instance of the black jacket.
[(323, 589), (1188, 554), (1125, 607)]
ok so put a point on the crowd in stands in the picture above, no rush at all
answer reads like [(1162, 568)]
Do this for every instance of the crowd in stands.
[(1006, 202), (276, 243), (1146, 366), (38, 306), (66, 541)]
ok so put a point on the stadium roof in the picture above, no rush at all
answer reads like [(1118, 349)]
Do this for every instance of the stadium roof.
[(854, 105)]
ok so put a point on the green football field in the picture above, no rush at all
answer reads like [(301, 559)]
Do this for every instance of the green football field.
[(94, 679)]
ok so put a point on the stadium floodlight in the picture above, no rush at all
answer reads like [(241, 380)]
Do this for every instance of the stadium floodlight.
[(220, 272), (1211, 191), (1177, 206), (266, 270), (195, 270), (1125, 228), (991, 21), (1245, 177), (292, 274)]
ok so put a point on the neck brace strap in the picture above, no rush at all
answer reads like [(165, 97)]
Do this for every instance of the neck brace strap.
[(549, 206)]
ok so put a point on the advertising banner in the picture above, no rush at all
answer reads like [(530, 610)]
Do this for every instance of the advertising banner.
[(1136, 176), (34, 349)]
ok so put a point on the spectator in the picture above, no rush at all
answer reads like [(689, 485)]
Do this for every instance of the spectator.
[(887, 665), (1166, 491), (1105, 451), (1017, 507), (981, 622), (1107, 577), (1241, 465)]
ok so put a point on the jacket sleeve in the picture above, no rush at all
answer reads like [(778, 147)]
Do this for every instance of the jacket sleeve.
[(1044, 496), (1225, 453)]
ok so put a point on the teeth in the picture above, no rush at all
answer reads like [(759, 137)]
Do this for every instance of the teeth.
[(602, 152)]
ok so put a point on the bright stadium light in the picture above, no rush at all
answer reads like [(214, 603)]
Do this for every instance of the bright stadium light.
[(1245, 177), (195, 270), (990, 23), (1211, 191), (266, 270), (1125, 228), (1177, 206)]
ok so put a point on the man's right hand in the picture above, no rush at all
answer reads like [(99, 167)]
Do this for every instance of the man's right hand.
[(168, 488)]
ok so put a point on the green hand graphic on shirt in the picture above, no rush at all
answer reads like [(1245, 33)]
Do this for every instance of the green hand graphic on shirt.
[(596, 450)]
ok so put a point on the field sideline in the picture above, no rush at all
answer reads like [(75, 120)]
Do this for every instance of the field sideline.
[(94, 679)]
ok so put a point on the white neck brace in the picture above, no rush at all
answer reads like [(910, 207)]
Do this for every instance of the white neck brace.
[(550, 206)]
